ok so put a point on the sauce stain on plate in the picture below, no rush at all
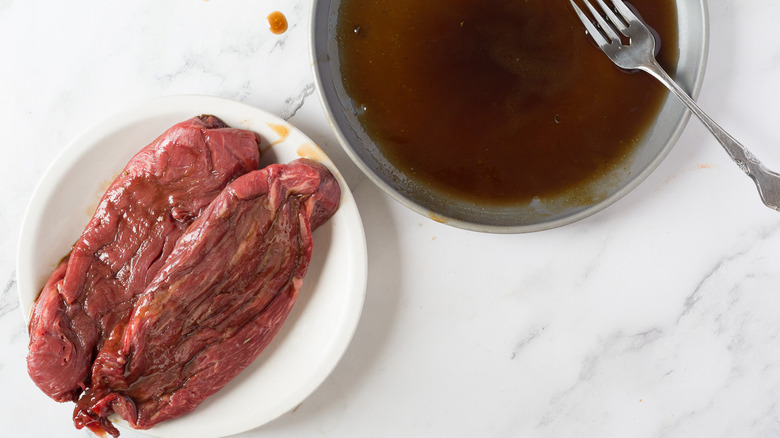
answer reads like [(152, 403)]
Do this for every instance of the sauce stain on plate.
[(283, 131), (312, 152)]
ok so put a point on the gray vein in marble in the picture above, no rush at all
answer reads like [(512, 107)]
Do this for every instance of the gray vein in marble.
[(295, 103), (279, 44), (8, 301), (550, 416), (693, 297), (594, 262), (190, 63), (20, 334), (679, 420), (690, 300), (244, 92), (525, 341), (618, 344), (769, 412), (612, 346)]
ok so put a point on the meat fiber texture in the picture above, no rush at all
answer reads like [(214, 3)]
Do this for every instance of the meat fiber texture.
[(222, 294), (146, 209)]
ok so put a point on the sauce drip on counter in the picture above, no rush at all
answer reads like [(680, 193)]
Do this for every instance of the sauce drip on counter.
[(278, 22), (496, 101)]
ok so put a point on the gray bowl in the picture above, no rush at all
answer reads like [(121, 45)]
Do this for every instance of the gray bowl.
[(537, 215)]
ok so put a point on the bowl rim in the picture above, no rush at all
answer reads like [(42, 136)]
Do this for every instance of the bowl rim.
[(320, 63)]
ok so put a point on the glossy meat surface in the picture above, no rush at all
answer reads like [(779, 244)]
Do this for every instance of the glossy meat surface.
[(217, 302), (137, 223)]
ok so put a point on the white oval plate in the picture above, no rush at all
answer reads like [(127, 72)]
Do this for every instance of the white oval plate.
[(324, 318)]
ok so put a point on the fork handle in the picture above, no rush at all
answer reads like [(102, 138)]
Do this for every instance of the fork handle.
[(766, 180), (734, 148)]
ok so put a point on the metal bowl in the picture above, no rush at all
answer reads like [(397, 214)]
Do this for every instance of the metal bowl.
[(534, 216)]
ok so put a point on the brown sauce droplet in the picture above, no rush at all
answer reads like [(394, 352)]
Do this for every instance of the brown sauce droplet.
[(278, 22), (496, 102)]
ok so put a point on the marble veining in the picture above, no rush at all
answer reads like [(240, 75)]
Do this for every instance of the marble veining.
[(9, 301), (293, 104)]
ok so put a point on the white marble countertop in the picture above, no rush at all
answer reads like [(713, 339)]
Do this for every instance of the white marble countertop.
[(657, 317)]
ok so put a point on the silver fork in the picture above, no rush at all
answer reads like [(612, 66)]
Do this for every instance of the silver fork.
[(638, 54)]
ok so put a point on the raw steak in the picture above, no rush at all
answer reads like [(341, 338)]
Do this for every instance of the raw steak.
[(217, 302), (139, 219)]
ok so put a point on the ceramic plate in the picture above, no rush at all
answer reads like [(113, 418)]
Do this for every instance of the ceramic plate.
[(324, 318)]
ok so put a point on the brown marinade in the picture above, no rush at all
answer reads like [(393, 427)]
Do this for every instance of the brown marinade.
[(496, 101)]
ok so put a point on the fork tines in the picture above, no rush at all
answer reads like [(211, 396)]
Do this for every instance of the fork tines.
[(617, 20)]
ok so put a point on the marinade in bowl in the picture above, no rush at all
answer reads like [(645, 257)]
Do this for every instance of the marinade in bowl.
[(499, 116)]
